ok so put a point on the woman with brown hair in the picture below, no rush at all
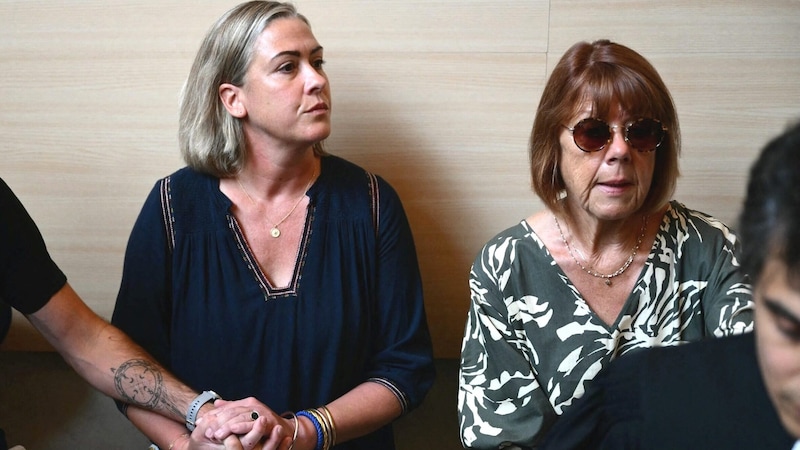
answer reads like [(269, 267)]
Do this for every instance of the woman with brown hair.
[(610, 264)]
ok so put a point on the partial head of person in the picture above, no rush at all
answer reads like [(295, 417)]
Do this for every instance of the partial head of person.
[(262, 51), (603, 104), (769, 227)]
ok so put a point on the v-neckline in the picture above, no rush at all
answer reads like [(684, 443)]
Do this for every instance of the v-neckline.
[(610, 328), (249, 258)]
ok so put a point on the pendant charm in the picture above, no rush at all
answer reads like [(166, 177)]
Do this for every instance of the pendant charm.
[(608, 281), (275, 232)]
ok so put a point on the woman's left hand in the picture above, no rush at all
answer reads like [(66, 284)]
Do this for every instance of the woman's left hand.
[(245, 425)]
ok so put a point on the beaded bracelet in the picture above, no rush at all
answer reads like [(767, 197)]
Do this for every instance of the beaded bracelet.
[(320, 438)]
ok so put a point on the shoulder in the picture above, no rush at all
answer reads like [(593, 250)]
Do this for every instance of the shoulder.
[(15, 222), (507, 240), (352, 190), (696, 232), (684, 217), (186, 179), (5, 191), (187, 198), (347, 177), (9, 203)]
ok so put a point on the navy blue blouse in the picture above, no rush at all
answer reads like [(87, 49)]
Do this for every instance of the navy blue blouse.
[(193, 295)]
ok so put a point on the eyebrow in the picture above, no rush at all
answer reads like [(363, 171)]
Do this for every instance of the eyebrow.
[(779, 310), (296, 53)]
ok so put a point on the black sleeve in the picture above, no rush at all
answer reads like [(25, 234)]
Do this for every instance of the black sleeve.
[(609, 415), (28, 276)]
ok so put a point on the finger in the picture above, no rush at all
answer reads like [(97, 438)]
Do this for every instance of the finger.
[(285, 443), (275, 439), (238, 420), (249, 402), (232, 443)]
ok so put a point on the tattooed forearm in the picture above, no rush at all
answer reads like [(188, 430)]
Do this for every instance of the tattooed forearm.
[(141, 383)]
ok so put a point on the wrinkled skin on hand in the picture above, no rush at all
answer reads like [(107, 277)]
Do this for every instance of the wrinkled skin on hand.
[(230, 426)]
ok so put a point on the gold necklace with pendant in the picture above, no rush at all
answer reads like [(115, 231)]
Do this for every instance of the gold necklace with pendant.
[(274, 231)]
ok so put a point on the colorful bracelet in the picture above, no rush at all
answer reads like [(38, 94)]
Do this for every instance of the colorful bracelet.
[(326, 435), (320, 437)]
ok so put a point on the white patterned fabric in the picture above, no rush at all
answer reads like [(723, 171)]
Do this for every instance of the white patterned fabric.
[(532, 344)]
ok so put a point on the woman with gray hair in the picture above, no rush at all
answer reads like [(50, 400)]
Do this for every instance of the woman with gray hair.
[(269, 268)]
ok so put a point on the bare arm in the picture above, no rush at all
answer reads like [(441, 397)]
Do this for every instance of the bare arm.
[(107, 358), (366, 408)]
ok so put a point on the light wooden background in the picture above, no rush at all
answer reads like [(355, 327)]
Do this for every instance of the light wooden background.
[(437, 96)]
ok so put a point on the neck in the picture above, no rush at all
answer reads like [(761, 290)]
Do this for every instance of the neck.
[(598, 237), (265, 179)]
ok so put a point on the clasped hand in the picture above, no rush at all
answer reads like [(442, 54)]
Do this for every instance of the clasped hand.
[(245, 424)]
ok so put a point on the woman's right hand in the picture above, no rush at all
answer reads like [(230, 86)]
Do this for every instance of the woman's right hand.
[(245, 424), (256, 439)]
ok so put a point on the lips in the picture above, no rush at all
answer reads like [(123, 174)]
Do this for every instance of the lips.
[(617, 186), (615, 183), (321, 106)]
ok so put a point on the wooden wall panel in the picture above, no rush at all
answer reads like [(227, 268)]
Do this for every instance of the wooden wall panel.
[(436, 96), (455, 26), (447, 159), (679, 26)]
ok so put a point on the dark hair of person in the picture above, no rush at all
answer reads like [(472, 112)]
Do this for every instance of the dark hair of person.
[(608, 75), (769, 224)]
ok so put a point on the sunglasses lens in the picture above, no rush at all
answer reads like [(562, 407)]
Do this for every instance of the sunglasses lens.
[(645, 134), (591, 135)]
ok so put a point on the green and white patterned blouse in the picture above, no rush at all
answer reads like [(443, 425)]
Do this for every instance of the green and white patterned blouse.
[(532, 344)]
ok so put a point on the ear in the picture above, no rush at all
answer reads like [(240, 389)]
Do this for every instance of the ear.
[(230, 96)]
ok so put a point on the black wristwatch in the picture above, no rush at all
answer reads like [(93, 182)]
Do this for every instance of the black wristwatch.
[(197, 403)]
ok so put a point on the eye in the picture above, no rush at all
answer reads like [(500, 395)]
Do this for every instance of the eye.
[(288, 67), (318, 63), (788, 328), (784, 321)]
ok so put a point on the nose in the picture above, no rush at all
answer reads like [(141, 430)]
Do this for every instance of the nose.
[(618, 148), (316, 80)]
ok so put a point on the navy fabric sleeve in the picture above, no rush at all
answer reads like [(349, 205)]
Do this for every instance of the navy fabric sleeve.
[(28, 275), (142, 308), (403, 346)]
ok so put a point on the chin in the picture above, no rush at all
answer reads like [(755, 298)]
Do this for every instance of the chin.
[(790, 418), (320, 134)]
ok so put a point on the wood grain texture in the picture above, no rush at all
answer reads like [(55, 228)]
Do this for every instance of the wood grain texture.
[(437, 97)]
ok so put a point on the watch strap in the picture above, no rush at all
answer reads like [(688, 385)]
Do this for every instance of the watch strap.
[(197, 403)]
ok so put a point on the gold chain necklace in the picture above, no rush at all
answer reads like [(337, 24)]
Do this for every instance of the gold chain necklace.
[(275, 232), (606, 277)]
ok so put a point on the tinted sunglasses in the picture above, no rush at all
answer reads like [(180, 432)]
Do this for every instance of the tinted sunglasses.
[(592, 135)]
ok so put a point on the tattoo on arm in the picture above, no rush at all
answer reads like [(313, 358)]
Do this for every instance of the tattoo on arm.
[(140, 382)]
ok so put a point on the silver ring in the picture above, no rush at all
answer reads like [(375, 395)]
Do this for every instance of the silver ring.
[(254, 415)]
